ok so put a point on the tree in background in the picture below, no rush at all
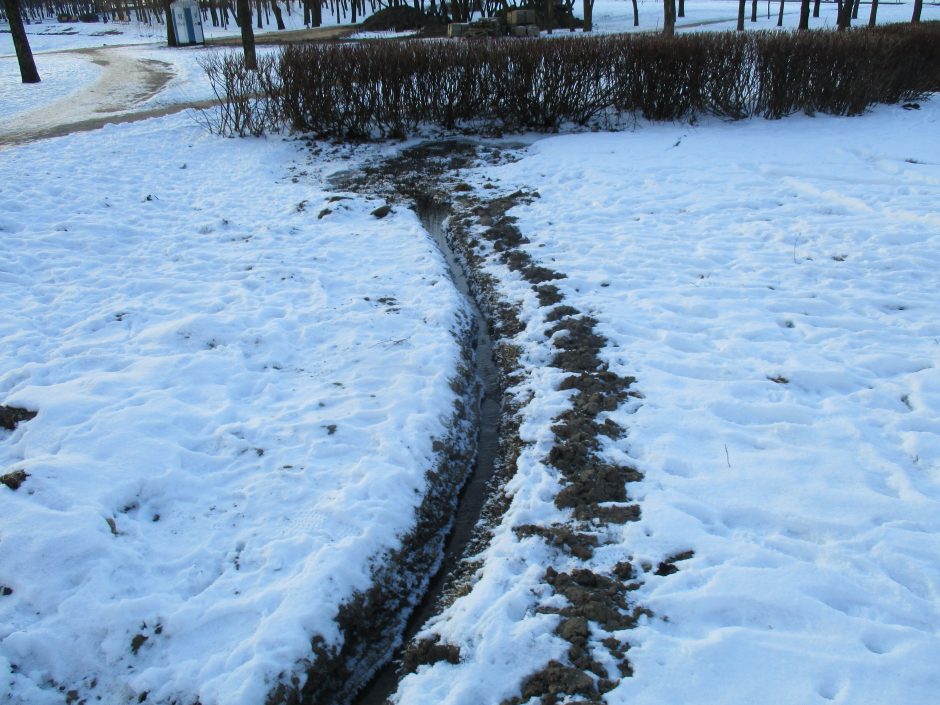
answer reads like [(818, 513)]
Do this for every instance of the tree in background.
[(918, 6), (804, 14), (248, 34), (742, 11), (669, 17), (171, 40), (24, 55), (844, 20)]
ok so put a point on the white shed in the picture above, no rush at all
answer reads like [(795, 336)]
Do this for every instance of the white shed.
[(187, 22)]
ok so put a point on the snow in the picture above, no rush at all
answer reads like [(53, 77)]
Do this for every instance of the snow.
[(773, 286), (720, 15), (238, 398), (61, 75), (237, 401)]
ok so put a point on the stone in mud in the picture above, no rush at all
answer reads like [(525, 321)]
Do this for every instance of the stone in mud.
[(382, 211)]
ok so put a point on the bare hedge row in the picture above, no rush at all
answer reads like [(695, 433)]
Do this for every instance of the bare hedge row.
[(388, 89)]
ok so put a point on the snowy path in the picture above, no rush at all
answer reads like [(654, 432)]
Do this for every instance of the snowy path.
[(125, 81)]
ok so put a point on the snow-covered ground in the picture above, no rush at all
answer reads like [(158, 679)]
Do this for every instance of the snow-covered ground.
[(238, 398), (238, 384), (774, 288)]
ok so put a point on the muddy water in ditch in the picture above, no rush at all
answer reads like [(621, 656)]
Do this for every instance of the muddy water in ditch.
[(474, 492)]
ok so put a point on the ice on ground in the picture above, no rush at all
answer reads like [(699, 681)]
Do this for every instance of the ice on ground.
[(773, 286), (238, 381)]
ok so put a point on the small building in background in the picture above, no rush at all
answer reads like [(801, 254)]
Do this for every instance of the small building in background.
[(187, 22)]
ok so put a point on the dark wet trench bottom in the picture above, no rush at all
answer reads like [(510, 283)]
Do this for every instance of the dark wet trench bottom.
[(475, 491)]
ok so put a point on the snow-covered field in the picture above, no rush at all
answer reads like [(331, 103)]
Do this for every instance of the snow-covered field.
[(774, 287), (238, 393), (241, 377)]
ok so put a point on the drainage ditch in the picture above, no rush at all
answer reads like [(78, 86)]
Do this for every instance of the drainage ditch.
[(596, 596), (474, 493)]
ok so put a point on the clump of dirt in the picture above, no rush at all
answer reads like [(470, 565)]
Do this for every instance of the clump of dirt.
[(575, 543), (428, 651), (593, 599), (11, 416), (668, 566), (14, 479)]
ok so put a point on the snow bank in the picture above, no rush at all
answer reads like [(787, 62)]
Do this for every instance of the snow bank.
[(238, 383)]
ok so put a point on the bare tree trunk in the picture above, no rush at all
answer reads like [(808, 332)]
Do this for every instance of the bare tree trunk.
[(258, 13), (855, 9), (780, 14), (588, 15), (742, 10), (918, 6), (816, 8), (681, 12), (24, 55), (754, 11), (248, 34), (316, 18), (872, 18), (804, 15), (636, 14), (278, 15), (845, 15), (171, 40), (669, 17)]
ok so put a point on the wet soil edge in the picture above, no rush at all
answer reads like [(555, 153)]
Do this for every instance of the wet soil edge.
[(371, 622)]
